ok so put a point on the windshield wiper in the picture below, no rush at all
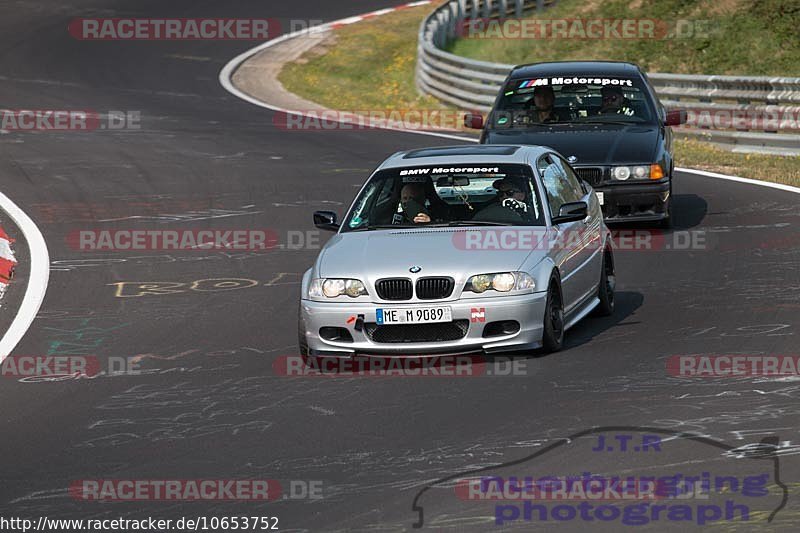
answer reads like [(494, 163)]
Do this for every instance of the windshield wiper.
[(544, 124), (619, 122), (456, 223), (385, 226)]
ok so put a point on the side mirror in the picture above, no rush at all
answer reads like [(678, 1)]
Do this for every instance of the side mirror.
[(572, 212), (326, 220), (473, 121), (675, 117)]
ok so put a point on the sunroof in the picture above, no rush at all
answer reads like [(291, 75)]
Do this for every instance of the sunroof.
[(462, 151)]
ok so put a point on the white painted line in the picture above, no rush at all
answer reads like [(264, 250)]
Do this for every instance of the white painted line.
[(749, 181), (37, 280), (348, 20), (229, 69), (379, 12)]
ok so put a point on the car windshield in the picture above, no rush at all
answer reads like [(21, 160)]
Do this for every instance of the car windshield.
[(571, 100), (455, 195)]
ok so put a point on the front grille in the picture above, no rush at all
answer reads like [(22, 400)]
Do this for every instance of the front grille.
[(394, 289), (434, 288), (404, 333), (593, 176)]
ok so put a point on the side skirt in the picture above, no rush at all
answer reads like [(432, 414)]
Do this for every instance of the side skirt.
[(577, 316)]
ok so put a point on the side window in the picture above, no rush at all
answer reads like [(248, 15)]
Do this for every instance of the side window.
[(557, 185), (385, 194), (371, 200), (572, 179)]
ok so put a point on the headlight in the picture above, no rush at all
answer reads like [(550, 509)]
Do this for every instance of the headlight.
[(639, 172), (524, 281), (334, 287), (621, 173), (501, 282), (480, 283), (354, 288)]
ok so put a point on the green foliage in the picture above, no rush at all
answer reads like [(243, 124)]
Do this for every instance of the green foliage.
[(746, 37)]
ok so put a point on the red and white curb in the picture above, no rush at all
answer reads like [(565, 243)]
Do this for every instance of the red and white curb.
[(7, 261), (37, 278), (373, 14)]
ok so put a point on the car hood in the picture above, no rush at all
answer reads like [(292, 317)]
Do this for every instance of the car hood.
[(371, 255), (598, 144)]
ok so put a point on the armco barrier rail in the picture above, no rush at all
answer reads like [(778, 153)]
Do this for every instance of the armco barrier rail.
[(746, 113)]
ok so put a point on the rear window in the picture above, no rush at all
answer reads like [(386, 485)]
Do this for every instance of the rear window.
[(483, 149)]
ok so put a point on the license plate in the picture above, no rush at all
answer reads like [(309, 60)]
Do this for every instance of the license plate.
[(413, 315), (600, 197)]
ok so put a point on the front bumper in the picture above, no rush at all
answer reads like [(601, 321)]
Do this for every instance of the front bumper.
[(527, 310), (635, 201)]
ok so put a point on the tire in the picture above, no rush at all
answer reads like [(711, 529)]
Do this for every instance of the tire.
[(605, 290), (666, 223), (553, 330), (302, 341)]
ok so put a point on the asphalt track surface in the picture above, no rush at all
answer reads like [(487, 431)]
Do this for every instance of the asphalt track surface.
[(212, 406)]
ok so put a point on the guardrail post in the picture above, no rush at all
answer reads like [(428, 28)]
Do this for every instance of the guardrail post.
[(445, 29), (519, 6), (461, 25), (462, 9), (487, 9), (452, 20), (438, 36), (475, 9)]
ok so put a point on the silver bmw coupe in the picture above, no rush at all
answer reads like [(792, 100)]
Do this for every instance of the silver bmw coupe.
[(459, 250)]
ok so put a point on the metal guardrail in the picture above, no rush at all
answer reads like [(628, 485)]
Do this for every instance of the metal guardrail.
[(755, 113)]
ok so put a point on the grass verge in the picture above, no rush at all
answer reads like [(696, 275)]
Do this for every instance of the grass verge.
[(370, 66), (705, 156), (745, 37)]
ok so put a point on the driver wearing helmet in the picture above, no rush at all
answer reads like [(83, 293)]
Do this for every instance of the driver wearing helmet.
[(510, 206)]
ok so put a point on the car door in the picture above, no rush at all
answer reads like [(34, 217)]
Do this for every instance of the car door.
[(567, 244), (590, 232)]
